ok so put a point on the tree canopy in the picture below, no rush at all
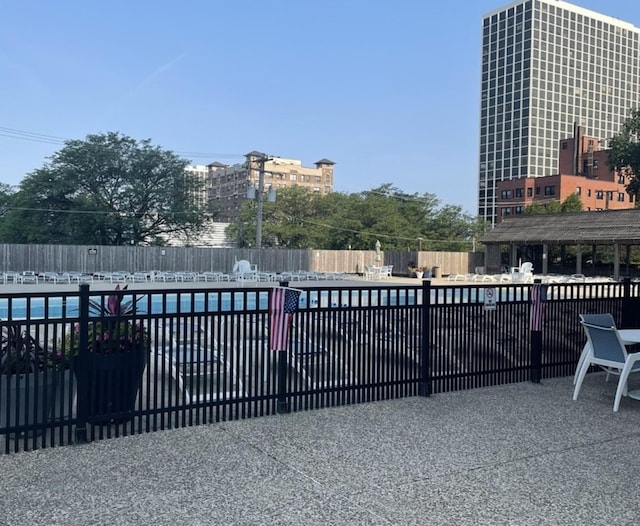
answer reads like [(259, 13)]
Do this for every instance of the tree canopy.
[(299, 219), (624, 153), (108, 189), (572, 203)]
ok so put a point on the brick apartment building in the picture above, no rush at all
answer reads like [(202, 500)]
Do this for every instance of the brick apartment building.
[(583, 170), (229, 186)]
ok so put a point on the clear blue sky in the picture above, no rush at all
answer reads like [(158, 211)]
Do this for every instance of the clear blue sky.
[(387, 89)]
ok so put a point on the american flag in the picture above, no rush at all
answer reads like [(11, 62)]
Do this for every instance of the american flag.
[(283, 303), (538, 298)]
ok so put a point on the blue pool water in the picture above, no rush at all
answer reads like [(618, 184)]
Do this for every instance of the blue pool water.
[(170, 303)]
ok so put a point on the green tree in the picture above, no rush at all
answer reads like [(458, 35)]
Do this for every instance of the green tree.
[(108, 189), (454, 229), (572, 203), (624, 153), (339, 221)]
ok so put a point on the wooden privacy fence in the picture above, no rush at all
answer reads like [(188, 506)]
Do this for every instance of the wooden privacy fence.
[(90, 259)]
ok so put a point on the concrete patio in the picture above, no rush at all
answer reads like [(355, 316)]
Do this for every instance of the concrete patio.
[(515, 454)]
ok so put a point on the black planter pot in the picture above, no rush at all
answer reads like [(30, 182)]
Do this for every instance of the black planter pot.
[(63, 406), (25, 399), (112, 382)]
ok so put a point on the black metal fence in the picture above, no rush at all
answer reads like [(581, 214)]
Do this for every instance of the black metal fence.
[(89, 365)]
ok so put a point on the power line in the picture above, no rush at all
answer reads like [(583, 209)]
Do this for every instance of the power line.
[(24, 135)]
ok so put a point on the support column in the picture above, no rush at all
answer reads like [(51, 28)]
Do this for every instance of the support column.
[(545, 259), (616, 261), (514, 256), (578, 259), (628, 261)]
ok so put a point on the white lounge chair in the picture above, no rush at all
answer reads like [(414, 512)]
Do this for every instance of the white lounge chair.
[(372, 272)]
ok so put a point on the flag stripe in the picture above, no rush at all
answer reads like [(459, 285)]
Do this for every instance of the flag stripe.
[(283, 303), (538, 295)]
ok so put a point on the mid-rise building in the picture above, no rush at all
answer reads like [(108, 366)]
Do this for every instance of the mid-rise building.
[(201, 172), (547, 64), (229, 186), (583, 170)]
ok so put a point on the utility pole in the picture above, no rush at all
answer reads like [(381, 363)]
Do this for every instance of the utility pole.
[(260, 200)]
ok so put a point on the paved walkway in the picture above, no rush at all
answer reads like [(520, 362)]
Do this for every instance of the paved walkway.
[(519, 454)]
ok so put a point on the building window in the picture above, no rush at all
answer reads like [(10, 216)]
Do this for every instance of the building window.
[(599, 194), (549, 190), (537, 190), (595, 164), (529, 192), (578, 190), (621, 197), (589, 192), (506, 211), (609, 196), (621, 179), (506, 194), (565, 145), (517, 210), (318, 180), (293, 177), (519, 192)]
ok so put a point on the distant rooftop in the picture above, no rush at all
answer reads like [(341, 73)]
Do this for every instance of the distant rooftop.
[(605, 227)]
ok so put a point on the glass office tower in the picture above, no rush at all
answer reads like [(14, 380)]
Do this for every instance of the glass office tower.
[(547, 64)]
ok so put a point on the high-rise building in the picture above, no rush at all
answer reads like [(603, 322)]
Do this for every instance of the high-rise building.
[(547, 65)]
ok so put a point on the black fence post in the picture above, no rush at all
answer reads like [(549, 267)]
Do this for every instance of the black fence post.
[(424, 387), (536, 321), (628, 321), (82, 396), (282, 404)]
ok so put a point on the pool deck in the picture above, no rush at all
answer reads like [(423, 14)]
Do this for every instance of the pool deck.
[(517, 454)]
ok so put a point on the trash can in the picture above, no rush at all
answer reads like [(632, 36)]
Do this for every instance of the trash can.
[(436, 273)]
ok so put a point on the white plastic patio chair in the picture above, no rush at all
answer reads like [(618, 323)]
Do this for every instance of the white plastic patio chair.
[(608, 350), (522, 274), (244, 271)]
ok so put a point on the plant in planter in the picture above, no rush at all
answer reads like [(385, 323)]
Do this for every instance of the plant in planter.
[(111, 367), (415, 271), (28, 376)]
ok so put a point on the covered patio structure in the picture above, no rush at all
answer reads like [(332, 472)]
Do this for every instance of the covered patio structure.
[(533, 235)]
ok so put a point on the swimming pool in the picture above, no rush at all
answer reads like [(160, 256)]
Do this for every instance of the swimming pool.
[(201, 302)]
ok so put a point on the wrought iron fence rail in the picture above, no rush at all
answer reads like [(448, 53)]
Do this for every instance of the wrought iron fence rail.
[(206, 356)]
